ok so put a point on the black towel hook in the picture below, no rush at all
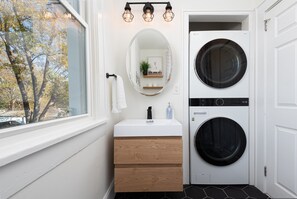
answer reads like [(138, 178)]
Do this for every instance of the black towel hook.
[(110, 75)]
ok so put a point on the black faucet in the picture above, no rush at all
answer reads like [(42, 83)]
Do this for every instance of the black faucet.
[(149, 113)]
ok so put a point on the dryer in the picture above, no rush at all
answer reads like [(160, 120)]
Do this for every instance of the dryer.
[(219, 64), (219, 152)]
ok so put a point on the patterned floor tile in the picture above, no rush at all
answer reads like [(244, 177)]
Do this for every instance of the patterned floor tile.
[(235, 192), (195, 192), (215, 192), (175, 195), (156, 195), (254, 192), (201, 192)]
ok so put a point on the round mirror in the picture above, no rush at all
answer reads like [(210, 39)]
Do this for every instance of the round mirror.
[(149, 62)]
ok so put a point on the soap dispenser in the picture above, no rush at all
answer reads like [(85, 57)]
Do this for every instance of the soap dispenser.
[(169, 111), (149, 113)]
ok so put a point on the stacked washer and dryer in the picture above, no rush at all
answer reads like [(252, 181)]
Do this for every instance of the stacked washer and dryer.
[(219, 113)]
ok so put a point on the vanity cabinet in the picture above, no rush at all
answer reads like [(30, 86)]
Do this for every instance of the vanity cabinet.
[(148, 164)]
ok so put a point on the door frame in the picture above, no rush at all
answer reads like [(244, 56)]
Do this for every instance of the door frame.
[(260, 96), (261, 93)]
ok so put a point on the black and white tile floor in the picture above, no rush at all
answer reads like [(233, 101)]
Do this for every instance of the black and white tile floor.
[(201, 192)]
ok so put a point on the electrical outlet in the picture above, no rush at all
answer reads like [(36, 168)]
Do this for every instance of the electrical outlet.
[(176, 89)]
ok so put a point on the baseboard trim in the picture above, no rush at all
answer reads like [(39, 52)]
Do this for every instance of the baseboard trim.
[(110, 194)]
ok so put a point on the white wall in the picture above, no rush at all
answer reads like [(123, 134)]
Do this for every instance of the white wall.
[(80, 167), (173, 31), (89, 172), (258, 2)]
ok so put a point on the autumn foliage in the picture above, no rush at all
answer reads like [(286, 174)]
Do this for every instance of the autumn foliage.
[(33, 60)]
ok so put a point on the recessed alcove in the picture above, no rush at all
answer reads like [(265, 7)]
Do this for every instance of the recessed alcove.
[(218, 22)]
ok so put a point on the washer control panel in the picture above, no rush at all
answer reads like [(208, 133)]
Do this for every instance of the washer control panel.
[(219, 101)]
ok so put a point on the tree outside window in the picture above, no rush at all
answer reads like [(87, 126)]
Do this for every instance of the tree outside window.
[(42, 62)]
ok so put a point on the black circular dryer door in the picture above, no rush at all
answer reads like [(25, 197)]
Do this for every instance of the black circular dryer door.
[(220, 141), (221, 63)]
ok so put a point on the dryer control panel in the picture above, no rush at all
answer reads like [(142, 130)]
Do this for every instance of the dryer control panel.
[(219, 101)]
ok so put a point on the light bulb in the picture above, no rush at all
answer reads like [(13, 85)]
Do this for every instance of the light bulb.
[(168, 15), (128, 16), (148, 12), (148, 16)]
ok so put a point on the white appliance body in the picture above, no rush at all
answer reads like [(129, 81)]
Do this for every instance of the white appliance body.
[(199, 40), (203, 172)]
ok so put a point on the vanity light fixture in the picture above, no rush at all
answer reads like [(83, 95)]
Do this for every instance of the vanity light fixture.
[(168, 15), (127, 15), (148, 11)]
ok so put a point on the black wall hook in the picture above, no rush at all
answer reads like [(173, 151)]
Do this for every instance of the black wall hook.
[(110, 75)]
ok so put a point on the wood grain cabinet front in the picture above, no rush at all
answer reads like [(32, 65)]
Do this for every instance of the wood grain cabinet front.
[(148, 164)]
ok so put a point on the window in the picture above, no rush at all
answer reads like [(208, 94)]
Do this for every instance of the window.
[(42, 62), (75, 4)]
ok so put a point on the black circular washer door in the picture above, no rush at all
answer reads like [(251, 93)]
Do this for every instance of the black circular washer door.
[(220, 141), (221, 63)]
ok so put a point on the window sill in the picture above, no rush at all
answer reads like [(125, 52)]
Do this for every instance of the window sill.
[(18, 146)]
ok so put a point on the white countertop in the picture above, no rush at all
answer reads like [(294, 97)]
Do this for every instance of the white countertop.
[(142, 128)]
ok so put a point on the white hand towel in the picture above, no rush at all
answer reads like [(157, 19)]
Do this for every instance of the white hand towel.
[(118, 95), (121, 98), (114, 96)]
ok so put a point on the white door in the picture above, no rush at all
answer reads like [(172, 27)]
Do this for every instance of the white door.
[(281, 100)]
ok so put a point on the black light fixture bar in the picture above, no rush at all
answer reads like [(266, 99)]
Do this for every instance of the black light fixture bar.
[(148, 11), (147, 2)]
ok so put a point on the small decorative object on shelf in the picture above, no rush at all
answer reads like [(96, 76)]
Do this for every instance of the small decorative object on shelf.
[(151, 74), (144, 66), (156, 63), (155, 73)]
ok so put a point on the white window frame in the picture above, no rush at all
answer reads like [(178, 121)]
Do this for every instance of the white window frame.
[(18, 142)]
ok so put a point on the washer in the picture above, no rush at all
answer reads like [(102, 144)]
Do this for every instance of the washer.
[(219, 64), (219, 141)]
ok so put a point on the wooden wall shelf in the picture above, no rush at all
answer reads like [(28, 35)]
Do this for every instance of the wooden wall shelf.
[(152, 87), (153, 76)]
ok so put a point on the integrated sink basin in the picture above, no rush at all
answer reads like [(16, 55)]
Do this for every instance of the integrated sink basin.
[(145, 128)]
